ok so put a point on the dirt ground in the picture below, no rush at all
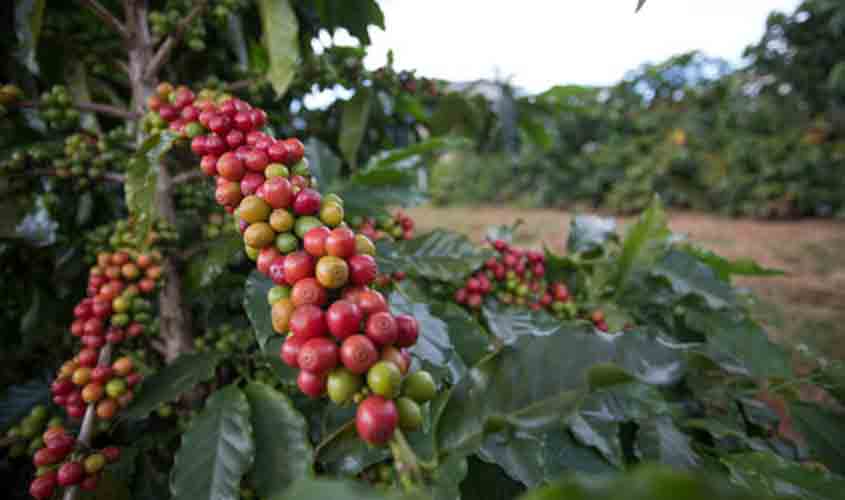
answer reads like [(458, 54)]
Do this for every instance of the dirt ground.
[(807, 305)]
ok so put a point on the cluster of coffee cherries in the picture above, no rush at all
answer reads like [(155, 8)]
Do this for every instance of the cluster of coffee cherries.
[(398, 226), (25, 435), (216, 226), (64, 462), (517, 276), (123, 234), (339, 330), (88, 156), (165, 21), (116, 309)]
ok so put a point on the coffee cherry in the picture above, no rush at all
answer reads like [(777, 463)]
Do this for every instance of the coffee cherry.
[(376, 420), (395, 356), (318, 355), (265, 258), (298, 265), (358, 354), (308, 291), (408, 330), (230, 167), (42, 487), (311, 384), (344, 319), (381, 328), (289, 351), (256, 160), (89, 483), (420, 387), (332, 272), (278, 293), (308, 321), (44, 457), (342, 385), (253, 209), (94, 463), (112, 454), (122, 366), (307, 202), (281, 313), (362, 269), (251, 184), (278, 193), (314, 241), (305, 224), (286, 243), (384, 379), (116, 387), (276, 270), (371, 302), (92, 392), (410, 414), (331, 214), (295, 150), (70, 473), (341, 242), (259, 235)]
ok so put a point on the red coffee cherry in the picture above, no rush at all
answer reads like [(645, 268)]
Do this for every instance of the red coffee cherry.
[(358, 354), (318, 355), (382, 329), (376, 420)]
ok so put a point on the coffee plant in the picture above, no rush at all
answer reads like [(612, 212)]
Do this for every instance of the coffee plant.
[(218, 296)]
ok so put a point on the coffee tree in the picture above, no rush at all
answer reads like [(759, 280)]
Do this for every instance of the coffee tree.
[(216, 302)]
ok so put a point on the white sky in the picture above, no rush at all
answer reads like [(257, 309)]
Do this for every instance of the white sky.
[(543, 43)]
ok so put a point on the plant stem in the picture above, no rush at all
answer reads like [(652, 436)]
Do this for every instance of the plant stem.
[(105, 109), (86, 431), (106, 16), (405, 458), (163, 53)]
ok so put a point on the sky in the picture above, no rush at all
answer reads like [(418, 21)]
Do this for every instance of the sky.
[(541, 43)]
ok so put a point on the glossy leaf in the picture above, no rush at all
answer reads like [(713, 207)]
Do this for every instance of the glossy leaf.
[(440, 255), (768, 474), (508, 323), (353, 124), (590, 232), (415, 151), (487, 481), (216, 451), (323, 163), (142, 178), (283, 451), (643, 243), (687, 276), (17, 400), (726, 268), (346, 455), (170, 382), (562, 453), (280, 28), (823, 429), (659, 440), (257, 308), (355, 17), (203, 269)]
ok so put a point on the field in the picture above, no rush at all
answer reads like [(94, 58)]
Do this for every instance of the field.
[(807, 305)]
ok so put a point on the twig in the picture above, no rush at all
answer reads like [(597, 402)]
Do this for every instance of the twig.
[(163, 52), (106, 16), (87, 429), (188, 176), (107, 176), (240, 85), (105, 109)]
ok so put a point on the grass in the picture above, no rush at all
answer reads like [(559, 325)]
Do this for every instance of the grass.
[(807, 305)]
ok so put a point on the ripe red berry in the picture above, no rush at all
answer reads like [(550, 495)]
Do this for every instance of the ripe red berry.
[(243, 121), (371, 302), (277, 152), (43, 457), (70, 473), (62, 387), (208, 164), (228, 194), (214, 145), (88, 357), (318, 355), (307, 202), (376, 420), (295, 151), (256, 160), (344, 319), (230, 167), (358, 354), (235, 138), (362, 269), (276, 269), (228, 108), (474, 300), (112, 454), (265, 258), (251, 182), (90, 482), (42, 487), (382, 329), (258, 117), (60, 445), (308, 321), (298, 265), (408, 330), (278, 192), (290, 350), (308, 291), (168, 113), (341, 243), (311, 384), (220, 124), (315, 241)]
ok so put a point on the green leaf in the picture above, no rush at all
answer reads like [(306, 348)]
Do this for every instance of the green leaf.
[(643, 243), (347, 455), (508, 323), (142, 178), (170, 382), (739, 345), (442, 329), (588, 233), (29, 16), (517, 454), (486, 481), (203, 269), (17, 400), (768, 474), (257, 308), (647, 482), (688, 276), (725, 268), (552, 373), (216, 451), (280, 28), (353, 123), (355, 17), (562, 453), (660, 440), (445, 482), (323, 163), (440, 255), (393, 157), (824, 431), (283, 452)]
